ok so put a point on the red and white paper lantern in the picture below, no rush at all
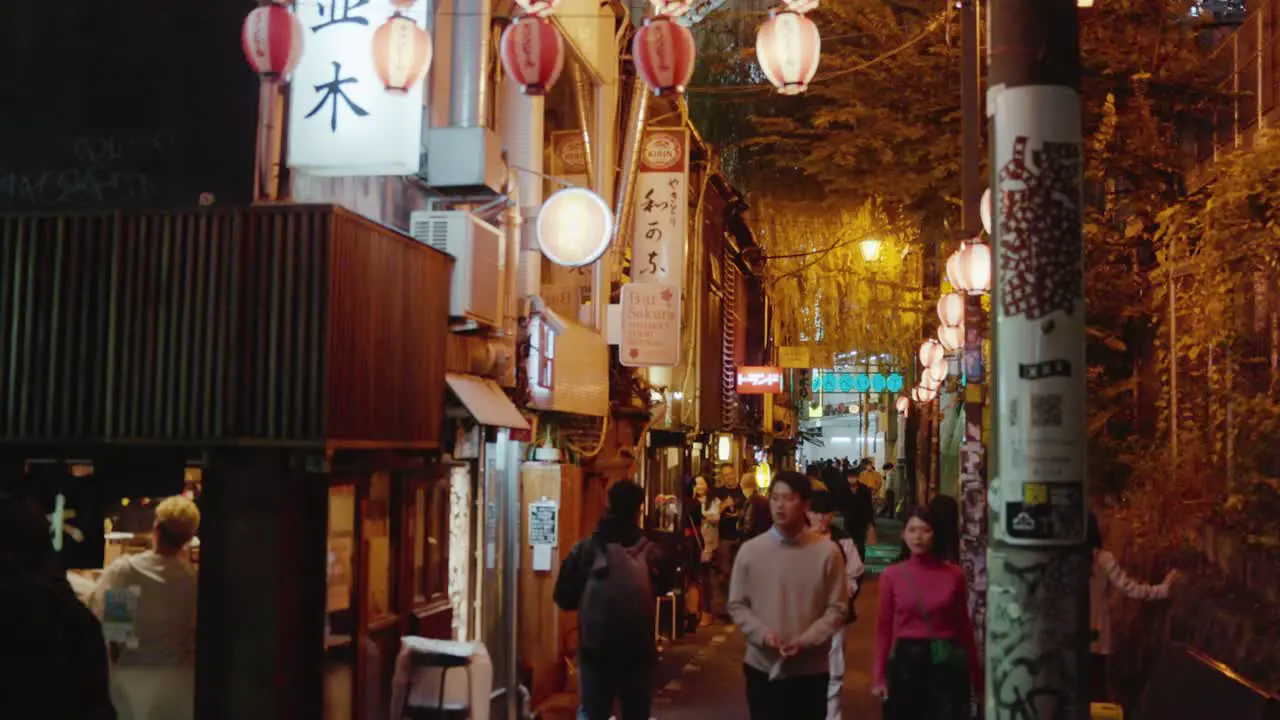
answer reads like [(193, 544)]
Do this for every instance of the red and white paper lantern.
[(664, 54), (272, 40), (533, 53), (401, 53), (788, 47)]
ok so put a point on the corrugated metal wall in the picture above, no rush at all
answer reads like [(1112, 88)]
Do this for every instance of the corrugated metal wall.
[(214, 326)]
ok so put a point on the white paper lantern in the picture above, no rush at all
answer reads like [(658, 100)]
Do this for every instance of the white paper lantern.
[(574, 227), (931, 351), (972, 268), (951, 338), (788, 48), (903, 404), (984, 211), (922, 394), (936, 373), (951, 310)]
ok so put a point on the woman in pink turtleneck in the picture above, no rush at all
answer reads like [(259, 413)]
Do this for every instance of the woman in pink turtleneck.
[(921, 600)]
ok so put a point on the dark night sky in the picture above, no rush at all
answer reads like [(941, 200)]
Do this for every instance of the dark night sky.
[(124, 103)]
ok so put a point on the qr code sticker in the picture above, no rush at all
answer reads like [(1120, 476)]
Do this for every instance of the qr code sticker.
[(1046, 411)]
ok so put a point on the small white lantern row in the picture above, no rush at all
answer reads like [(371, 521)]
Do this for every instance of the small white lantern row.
[(969, 268), (922, 394), (671, 8), (951, 310), (788, 48), (984, 211), (931, 351), (574, 227), (936, 373), (951, 337), (539, 8), (801, 6)]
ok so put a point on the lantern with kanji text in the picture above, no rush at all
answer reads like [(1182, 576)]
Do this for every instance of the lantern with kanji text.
[(788, 47), (664, 54), (533, 53), (401, 53), (272, 41)]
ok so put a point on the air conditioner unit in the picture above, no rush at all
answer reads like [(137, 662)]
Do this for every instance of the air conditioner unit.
[(476, 288)]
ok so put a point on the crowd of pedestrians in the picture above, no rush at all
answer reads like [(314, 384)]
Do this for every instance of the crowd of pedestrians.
[(785, 568)]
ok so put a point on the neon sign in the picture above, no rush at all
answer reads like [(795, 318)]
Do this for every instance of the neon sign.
[(759, 380)]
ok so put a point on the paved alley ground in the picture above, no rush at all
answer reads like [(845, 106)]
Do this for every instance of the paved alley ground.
[(701, 675)]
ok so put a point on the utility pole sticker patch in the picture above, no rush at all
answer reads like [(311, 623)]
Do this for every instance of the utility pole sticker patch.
[(1041, 253)]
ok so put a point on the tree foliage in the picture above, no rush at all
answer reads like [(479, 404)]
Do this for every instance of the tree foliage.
[(824, 289)]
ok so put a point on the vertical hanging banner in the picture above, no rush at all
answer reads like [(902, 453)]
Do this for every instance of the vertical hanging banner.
[(342, 119), (568, 163), (661, 218), (1038, 311), (650, 325)]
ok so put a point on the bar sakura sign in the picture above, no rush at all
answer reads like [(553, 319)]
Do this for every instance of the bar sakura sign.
[(661, 218), (759, 380), (650, 325), (342, 119)]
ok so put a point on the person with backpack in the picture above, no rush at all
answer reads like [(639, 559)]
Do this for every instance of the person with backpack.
[(822, 510), (611, 580)]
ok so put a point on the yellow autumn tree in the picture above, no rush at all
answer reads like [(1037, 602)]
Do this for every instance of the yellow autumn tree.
[(828, 288)]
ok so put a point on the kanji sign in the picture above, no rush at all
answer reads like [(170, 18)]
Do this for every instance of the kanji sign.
[(342, 120), (759, 380), (661, 218)]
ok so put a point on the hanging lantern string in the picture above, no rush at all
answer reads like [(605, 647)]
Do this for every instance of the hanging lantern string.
[(823, 77), (557, 180)]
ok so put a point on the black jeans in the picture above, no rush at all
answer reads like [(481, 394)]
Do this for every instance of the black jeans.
[(793, 698), (920, 690), (600, 684)]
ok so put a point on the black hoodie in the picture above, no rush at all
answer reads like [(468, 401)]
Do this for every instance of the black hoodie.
[(572, 581)]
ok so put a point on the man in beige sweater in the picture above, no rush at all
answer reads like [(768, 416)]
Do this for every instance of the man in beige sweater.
[(788, 595)]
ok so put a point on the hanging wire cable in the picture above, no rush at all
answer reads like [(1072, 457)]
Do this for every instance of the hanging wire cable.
[(827, 76)]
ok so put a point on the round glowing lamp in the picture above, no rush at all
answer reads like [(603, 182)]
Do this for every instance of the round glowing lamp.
[(574, 227)]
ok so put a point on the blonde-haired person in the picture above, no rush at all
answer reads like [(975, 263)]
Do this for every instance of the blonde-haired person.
[(153, 677)]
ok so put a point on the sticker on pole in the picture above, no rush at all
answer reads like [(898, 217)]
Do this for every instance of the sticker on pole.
[(1038, 312)]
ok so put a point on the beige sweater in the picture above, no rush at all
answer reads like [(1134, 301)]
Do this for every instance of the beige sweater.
[(795, 588)]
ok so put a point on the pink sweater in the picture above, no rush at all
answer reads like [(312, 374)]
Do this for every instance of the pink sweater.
[(941, 587)]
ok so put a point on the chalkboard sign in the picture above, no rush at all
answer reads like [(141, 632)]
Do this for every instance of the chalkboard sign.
[(542, 523)]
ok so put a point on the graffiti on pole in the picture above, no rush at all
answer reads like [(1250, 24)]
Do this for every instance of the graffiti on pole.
[(1036, 624)]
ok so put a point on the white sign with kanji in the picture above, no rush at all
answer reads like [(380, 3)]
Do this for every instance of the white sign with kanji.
[(342, 119), (661, 218), (650, 325)]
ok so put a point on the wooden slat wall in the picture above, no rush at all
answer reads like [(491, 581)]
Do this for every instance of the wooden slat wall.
[(390, 316), (291, 324)]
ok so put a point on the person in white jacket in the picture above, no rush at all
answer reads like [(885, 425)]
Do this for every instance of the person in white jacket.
[(821, 513), (708, 515), (1107, 575)]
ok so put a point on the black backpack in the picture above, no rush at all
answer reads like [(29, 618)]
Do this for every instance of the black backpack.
[(617, 609)]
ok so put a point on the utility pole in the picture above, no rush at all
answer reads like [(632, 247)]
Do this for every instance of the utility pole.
[(1037, 627), (973, 460)]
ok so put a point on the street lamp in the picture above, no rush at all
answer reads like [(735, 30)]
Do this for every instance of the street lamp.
[(870, 249), (574, 227), (969, 268)]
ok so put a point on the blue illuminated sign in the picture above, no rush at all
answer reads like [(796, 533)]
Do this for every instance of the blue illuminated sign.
[(832, 382)]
